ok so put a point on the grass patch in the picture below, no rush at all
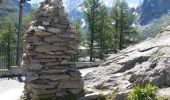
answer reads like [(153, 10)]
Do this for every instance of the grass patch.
[(148, 92)]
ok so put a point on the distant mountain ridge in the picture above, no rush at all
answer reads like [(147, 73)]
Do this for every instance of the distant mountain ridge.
[(27, 6), (10, 8), (150, 10), (152, 17)]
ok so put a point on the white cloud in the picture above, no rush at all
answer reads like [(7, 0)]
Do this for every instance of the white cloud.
[(108, 3), (83, 23), (133, 5), (79, 9), (65, 4)]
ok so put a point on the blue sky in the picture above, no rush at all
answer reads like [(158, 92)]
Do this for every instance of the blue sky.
[(131, 2)]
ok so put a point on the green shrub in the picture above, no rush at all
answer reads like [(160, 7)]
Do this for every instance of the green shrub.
[(143, 93)]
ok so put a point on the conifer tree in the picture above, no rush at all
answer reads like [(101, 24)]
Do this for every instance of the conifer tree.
[(122, 19), (90, 9), (103, 36), (8, 38)]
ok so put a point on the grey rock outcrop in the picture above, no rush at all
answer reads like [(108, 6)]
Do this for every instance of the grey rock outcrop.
[(165, 92), (147, 62), (48, 62)]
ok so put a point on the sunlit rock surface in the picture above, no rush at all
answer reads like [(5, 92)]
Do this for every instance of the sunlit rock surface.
[(146, 62)]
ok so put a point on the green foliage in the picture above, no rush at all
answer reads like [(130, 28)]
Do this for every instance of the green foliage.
[(109, 32), (103, 36), (8, 32), (30, 17), (121, 20), (81, 38), (99, 31), (90, 10), (7, 40), (26, 22), (143, 93)]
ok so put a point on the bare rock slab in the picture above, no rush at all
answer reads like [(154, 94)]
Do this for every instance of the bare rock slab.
[(146, 62)]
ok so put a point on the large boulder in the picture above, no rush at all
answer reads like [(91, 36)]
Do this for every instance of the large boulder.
[(146, 62)]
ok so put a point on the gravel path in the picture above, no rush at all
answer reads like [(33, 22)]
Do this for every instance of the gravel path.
[(10, 89), (6, 85), (87, 70), (13, 94)]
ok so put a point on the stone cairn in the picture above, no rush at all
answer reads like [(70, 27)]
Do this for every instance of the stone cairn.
[(48, 60)]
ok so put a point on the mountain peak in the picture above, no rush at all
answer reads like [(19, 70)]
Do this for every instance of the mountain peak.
[(152, 9)]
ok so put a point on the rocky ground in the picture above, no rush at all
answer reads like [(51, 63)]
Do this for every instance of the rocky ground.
[(147, 62), (10, 89), (9, 84)]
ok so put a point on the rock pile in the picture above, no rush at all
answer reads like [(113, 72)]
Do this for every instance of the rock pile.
[(147, 62), (48, 62)]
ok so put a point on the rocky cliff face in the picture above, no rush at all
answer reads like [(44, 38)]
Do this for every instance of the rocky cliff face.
[(152, 9), (147, 62)]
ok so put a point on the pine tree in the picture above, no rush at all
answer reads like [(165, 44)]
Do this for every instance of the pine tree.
[(8, 38), (122, 19), (30, 17), (80, 34), (103, 36), (90, 9)]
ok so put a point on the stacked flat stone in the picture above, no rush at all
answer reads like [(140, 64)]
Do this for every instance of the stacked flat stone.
[(48, 59)]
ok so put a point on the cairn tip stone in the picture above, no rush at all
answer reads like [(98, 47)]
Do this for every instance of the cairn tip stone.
[(48, 62)]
